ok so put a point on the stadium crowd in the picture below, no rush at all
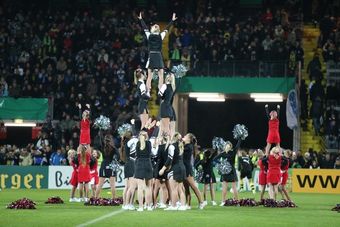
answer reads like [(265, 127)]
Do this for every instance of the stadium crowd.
[(77, 57)]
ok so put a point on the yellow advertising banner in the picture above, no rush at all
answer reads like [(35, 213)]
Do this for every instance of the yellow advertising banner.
[(316, 180)]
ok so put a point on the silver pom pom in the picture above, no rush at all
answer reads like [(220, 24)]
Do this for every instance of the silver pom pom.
[(102, 122), (123, 129), (240, 132), (114, 165), (199, 175), (179, 70), (224, 167), (218, 143)]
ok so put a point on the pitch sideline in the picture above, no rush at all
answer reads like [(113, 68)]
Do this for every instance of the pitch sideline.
[(101, 218)]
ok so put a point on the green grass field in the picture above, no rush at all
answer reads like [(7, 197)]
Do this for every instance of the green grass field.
[(313, 210)]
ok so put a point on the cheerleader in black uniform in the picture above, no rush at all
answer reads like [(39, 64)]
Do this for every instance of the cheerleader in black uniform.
[(163, 143), (155, 61), (143, 170), (190, 144), (129, 170), (124, 152), (229, 154), (208, 179), (143, 97), (166, 93), (176, 174), (109, 154)]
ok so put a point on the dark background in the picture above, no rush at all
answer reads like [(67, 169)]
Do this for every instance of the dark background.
[(209, 119)]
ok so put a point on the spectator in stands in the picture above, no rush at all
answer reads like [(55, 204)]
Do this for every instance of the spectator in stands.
[(316, 113), (326, 162), (57, 158), (337, 163), (314, 68), (25, 158)]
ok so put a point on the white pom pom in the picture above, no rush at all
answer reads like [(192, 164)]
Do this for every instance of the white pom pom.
[(240, 132), (102, 122)]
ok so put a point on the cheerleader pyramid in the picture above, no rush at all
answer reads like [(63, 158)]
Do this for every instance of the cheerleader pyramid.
[(159, 162)]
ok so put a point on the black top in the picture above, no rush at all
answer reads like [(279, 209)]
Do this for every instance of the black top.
[(146, 152), (162, 153), (230, 156), (206, 163), (110, 153), (173, 157), (187, 154), (168, 94), (245, 164)]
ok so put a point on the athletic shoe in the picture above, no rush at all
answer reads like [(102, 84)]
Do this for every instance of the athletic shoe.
[(205, 203), (149, 208), (140, 209), (182, 208), (125, 207), (213, 203), (72, 200), (222, 204), (178, 204), (201, 206), (81, 200), (188, 207), (161, 206), (131, 207), (170, 208)]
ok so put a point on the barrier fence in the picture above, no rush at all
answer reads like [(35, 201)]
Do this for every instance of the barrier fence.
[(58, 177)]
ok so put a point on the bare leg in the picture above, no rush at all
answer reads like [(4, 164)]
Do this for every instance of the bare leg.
[(212, 191), (234, 186), (286, 193), (172, 128), (224, 191), (205, 188), (263, 189), (275, 191), (187, 192), (81, 190), (160, 78), (271, 191), (165, 193), (113, 187), (193, 186), (268, 148), (141, 186), (148, 193), (93, 189), (86, 189), (100, 185), (73, 191), (125, 191), (165, 125), (131, 191), (181, 193), (174, 192), (148, 80), (156, 189)]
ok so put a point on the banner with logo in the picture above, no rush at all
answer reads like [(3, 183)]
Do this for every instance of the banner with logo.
[(23, 177), (59, 177), (316, 180)]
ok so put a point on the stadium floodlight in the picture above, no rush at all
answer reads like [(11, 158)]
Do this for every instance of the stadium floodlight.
[(218, 99), (268, 99), (266, 96), (205, 95), (22, 124)]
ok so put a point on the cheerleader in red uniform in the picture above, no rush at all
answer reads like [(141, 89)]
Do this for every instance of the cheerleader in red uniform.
[(84, 176), (284, 175), (273, 128), (263, 164), (274, 171), (85, 136), (73, 160), (94, 171)]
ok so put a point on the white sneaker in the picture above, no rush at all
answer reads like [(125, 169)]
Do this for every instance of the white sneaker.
[(162, 206), (81, 200), (71, 200), (188, 207), (205, 202), (131, 207), (222, 204), (182, 208), (140, 209), (125, 207), (170, 208), (214, 203), (178, 204), (150, 208), (86, 200), (201, 206)]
